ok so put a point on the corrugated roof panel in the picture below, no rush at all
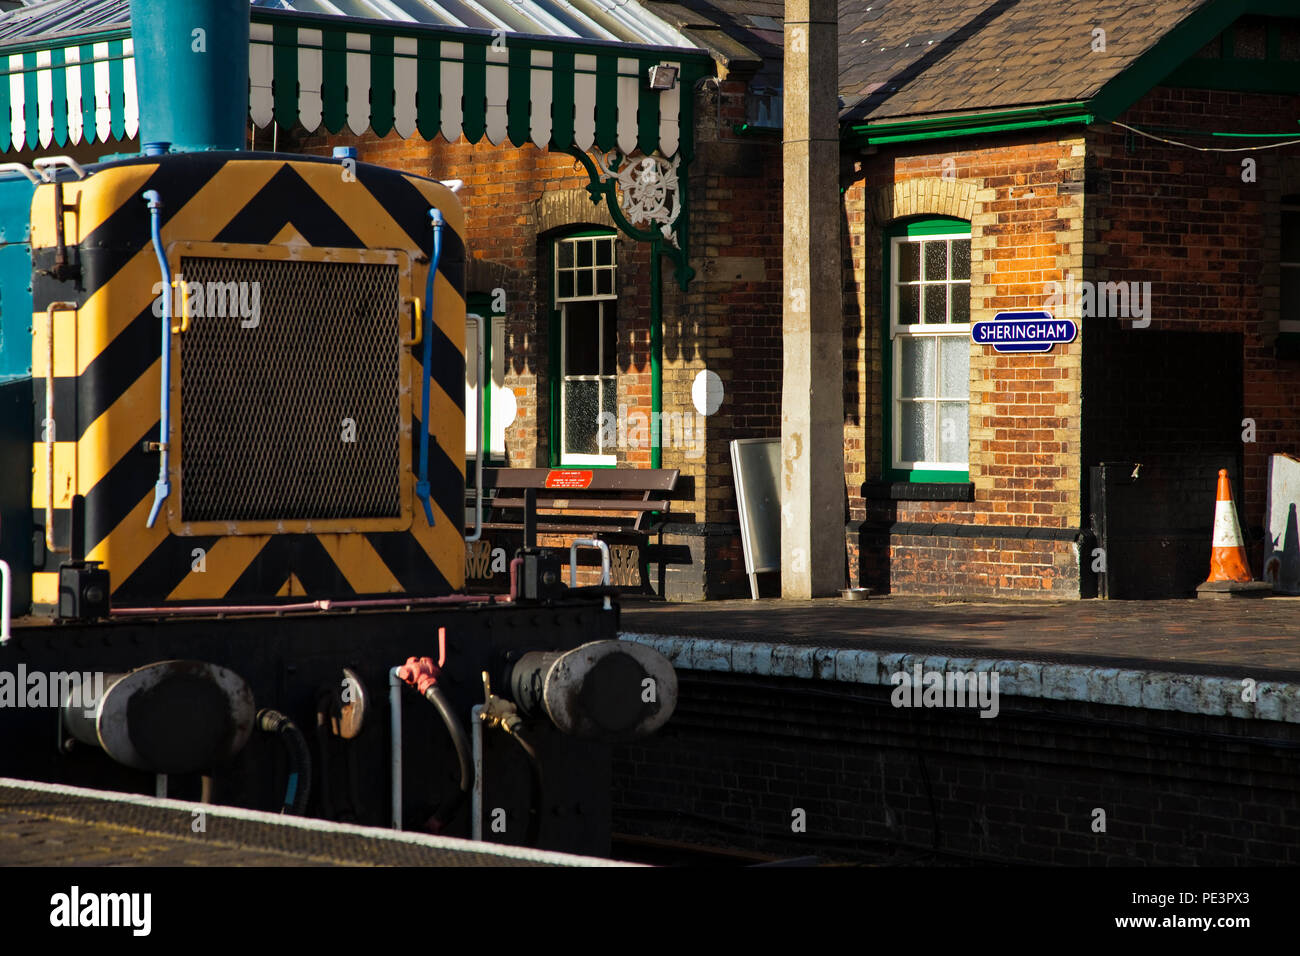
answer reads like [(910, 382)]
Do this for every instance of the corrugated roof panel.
[(577, 21), (637, 21), (62, 16), (620, 20), (469, 15), (546, 18)]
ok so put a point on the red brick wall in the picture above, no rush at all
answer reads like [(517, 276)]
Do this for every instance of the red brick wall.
[(1020, 195), (1209, 243), (730, 321), (1185, 221), (503, 186)]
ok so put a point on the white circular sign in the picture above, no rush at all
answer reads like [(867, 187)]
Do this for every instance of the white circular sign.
[(504, 408), (706, 392)]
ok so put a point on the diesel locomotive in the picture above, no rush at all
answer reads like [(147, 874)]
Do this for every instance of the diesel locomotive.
[(232, 492)]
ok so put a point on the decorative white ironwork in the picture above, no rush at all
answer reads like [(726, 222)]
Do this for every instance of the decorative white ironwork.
[(647, 187)]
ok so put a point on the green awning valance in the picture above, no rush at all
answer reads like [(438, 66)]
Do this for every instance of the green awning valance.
[(423, 81), (83, 92), (505, 88)]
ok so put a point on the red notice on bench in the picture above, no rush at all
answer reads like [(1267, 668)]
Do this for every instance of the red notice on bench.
[(568, 478)]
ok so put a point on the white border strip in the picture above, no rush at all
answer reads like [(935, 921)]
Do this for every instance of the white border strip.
[(1148, 690), (308, 823)]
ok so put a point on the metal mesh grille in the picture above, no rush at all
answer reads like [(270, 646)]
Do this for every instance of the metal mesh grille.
[(268, 390)]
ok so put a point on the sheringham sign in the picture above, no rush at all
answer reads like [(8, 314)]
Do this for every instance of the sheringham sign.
[(1024, 332)]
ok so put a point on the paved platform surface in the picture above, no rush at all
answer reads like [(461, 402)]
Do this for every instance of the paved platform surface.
[(49, 825), (1258, 637)]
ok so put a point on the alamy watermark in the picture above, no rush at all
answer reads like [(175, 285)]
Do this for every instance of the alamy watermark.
[(37, 689), (219, 300), (684, 430), (75, 908), (638, 428), (1077, 299), (953, 689)]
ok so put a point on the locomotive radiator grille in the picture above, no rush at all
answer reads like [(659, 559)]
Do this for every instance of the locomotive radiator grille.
[(290, 401)]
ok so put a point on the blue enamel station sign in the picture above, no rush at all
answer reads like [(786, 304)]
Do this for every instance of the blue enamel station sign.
[(1024, 332)]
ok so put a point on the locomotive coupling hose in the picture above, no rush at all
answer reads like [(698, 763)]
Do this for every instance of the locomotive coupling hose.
[(298, 788), (422, 674), (458, 736)]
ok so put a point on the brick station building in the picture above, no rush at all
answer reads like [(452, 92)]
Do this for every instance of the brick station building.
[(1066, 156), (1066, 141)]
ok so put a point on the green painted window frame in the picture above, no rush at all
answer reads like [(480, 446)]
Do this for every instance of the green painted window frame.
[(556, 361), (922, 226)]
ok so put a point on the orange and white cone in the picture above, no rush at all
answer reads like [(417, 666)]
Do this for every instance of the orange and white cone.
[(1228, 552)]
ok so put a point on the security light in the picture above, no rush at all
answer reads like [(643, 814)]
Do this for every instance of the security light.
[(663, 77)]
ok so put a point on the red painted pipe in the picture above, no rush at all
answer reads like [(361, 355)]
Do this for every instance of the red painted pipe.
[(313, 605)]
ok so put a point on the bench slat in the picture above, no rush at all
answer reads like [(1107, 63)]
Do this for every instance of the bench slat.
[(582, 504), (563, 528)]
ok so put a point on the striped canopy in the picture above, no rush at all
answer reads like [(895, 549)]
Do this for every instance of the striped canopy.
[(83, 92), (355, 74)]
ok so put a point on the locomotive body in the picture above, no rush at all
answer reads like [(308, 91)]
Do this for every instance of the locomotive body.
[(233, 481), (288, 465)]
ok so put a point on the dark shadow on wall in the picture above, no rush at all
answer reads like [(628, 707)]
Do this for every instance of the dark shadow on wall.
[(854, 320), (1171, 403)]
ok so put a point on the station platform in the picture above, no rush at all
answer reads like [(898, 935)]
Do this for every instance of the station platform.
[(45, 824), (1190, 656)]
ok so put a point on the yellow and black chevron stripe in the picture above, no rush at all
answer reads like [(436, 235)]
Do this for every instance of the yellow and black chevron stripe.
[(107, 376)]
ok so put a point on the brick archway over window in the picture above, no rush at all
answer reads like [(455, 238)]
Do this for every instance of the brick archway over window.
[(928, 196), (558, 208)]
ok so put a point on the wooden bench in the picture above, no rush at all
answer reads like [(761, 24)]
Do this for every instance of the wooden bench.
[(624, 505)]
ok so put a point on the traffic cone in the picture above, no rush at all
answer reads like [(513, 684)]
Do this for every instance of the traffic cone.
[(1228, 555), (1229, 568)]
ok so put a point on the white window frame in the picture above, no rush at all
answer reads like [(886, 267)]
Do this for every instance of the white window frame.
[(607, 379), (898, 332), (495, 449)]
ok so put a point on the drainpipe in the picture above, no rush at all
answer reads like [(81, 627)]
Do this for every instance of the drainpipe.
[(395, 754), (476, 812)]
